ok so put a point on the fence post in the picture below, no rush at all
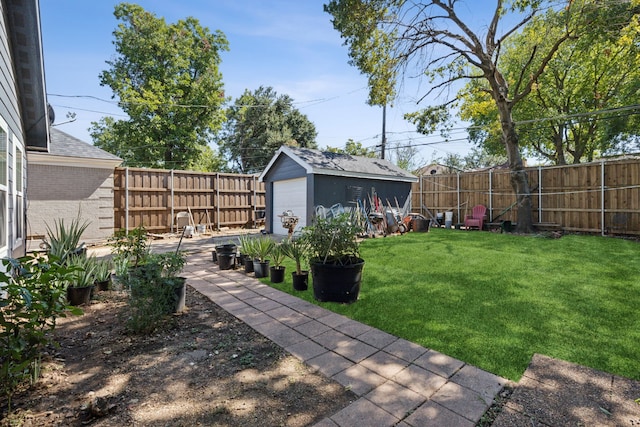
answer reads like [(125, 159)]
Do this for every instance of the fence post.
[(421, 196), (458, 193), (602, 198), (218, 201), (172, 200), (491, 195), (255, 201), (540, 194), (126, 200)]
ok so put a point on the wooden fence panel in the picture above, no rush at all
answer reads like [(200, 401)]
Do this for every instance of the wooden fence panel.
[(574, 197), (152, 198)]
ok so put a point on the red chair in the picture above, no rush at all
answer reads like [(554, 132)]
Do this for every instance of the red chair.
[(476, 219)]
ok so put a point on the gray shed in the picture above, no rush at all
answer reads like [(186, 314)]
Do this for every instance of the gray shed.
[(73, 178), (301, 179)]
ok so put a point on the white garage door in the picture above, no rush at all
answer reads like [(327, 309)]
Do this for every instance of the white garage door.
[(289, 195)]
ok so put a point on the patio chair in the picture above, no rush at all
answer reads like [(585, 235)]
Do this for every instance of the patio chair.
[(476, 219)]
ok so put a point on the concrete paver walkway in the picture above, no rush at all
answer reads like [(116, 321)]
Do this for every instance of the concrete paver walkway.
[(397, 382)]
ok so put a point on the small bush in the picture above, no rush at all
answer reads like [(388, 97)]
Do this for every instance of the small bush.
[(32, 297)]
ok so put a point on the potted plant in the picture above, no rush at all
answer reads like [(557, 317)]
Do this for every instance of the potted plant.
[(297, 249), (103, 274), (334, 258), (276, 271), (263, 246), (247, 252), (64, 240), (82, 279)]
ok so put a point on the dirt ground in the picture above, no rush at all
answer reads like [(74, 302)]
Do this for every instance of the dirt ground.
[(207, 368)]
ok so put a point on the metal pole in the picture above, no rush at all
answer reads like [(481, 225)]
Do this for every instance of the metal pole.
[(421, 195), (602, 197), (126, 200), (255, 203), (384, 127)]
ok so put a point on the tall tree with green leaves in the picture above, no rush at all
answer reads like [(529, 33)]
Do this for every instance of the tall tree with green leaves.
[(353, 148), (442, 41), (585, 102), (166, 78), (258, 124)]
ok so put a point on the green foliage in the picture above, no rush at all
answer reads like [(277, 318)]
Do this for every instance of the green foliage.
[(152, 286), (167, 80), (258, 124), (247, 245), (353, 148), (83, 271), (63, 239), (103, 269), (129, 247), (32, 297), (333, 240), (297, 249), (277, 255), (263, 246), (599, 70)]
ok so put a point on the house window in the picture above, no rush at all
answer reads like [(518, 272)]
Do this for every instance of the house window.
[(19, 192), (3, 190)]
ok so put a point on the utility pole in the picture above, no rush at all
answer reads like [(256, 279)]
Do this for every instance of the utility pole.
[(384, 126)]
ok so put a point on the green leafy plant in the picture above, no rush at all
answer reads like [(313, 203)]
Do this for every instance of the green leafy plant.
[(64, 240), (103, 269), (152, 287), (333, 240), (277, 255), (263, 246), (32, 297), (132, 245), (247, 245), (83, 271), (297, 249)]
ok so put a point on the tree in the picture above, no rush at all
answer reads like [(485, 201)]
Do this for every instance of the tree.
[(385, 37), (167, 80), (572, 113), (405, 156), (353, 148), (257, 125)]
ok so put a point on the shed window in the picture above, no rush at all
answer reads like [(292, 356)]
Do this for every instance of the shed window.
[(3, 190)]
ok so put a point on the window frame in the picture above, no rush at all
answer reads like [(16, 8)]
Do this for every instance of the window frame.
[(18, 194), (4, 187)]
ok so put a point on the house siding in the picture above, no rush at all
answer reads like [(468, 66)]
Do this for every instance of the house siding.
[(285, 168), (11, 116), (83, 191)]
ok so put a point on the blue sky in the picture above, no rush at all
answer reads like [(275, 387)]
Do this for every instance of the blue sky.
[(289, 45)]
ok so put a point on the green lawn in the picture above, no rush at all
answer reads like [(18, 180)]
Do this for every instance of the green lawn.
[(492, 300)]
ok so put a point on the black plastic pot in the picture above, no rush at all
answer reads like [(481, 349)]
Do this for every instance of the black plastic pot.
[(103, 285), (276, 274), (79, 295), (300, 281), (228, 248), (337, 282), (261, 269), (226, 261), (248, 264), (214, 256)]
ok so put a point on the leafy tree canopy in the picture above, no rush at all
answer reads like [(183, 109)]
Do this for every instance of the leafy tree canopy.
[(258, 124), (580, 106), (167, 80), (353, 148)]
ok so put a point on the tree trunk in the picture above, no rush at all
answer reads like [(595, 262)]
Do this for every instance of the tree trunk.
[(519, 178)]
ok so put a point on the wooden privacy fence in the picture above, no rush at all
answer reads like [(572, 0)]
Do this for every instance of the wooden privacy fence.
[(152, 198), (599, 197)]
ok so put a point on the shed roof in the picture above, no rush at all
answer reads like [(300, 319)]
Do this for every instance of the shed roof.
[(327, 163)]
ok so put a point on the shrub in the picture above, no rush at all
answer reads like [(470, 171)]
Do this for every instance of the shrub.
[(32, 297)]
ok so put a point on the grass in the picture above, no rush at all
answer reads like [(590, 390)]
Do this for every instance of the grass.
[(493, 300)]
